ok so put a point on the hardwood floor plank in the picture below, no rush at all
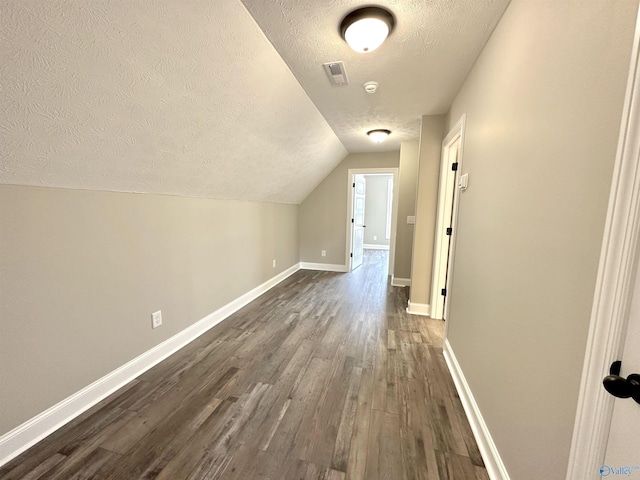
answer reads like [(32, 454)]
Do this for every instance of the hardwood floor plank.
[(455, 467), (367, 343), (347, 421), (391, 339), (358, 449), (321, 439), (158, 409), (44, 467), (317, 472), (150, 454), (186, 459), (392, 383), (405, 355), (220, 452), (69, 438), (324, 377), (380, 376), (415, 431), (276, 424), (99, 460), (291, 434), (384, 458), (481, 473)]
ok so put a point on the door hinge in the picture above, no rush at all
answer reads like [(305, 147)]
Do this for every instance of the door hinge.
[(449, 231), (351, 255), (454, 167), (443, 292), (354, 185), (352, 220)]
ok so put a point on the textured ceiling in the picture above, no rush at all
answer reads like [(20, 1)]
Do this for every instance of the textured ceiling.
[(172, 96), (420, 67), (191, 98)]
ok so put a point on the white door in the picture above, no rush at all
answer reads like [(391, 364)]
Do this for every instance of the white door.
[(357, 221), (445, 228), (449, 194), (622, 459)]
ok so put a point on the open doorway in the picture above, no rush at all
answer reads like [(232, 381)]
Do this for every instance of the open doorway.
[(371, 214)]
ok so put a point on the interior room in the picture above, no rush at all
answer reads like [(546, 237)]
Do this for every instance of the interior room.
[(193, 285)]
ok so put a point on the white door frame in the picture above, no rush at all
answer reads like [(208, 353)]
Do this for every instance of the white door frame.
[(394, 211), (614, 287), (443, 252)]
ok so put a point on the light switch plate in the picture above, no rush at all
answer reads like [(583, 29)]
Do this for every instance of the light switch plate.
[(411, 220), (463, 183)]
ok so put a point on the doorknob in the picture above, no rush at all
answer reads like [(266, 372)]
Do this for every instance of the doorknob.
[(622, 387)]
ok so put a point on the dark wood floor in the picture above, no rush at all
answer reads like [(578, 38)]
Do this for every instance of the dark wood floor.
[(323, 377)]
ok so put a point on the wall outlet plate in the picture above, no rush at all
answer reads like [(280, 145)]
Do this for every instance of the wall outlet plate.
[(324, 253), (274, 264), (156, 319)]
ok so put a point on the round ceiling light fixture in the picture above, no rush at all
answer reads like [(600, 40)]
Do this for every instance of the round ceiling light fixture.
[(365, 29), (379, 135)]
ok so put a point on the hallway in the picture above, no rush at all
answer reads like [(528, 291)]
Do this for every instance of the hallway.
[(323, 377)]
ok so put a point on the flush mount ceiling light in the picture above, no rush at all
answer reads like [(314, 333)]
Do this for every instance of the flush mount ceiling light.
[(379, 135), (366, 28)]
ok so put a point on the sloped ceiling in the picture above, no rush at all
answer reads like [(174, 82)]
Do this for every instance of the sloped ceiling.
[(190, 97), (420, 67), (173, 97)]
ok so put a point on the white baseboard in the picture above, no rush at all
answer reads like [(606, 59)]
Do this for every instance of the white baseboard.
[(22, 437), (373, 246), (419, 309), (488, 449), (400, 282), (325, 267)]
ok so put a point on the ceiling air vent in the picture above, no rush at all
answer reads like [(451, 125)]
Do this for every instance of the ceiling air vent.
[(336, 73)]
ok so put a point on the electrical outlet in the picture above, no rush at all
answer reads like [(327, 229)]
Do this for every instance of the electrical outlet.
[(375, 237), (274, 263), (324, 253), (156, 319)]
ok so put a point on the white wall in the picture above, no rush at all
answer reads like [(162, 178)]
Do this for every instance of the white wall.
[(432, 133), (543, 105), (407, 184), (323, 213), (375, 209), (81, 272)]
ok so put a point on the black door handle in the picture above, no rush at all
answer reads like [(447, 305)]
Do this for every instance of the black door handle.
[(622, 387)]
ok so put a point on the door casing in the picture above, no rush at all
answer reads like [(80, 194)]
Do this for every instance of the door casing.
[(444, 247), (394, 212)]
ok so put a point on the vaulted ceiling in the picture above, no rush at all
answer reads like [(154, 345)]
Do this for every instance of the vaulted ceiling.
[(197, 98), (419, 68)]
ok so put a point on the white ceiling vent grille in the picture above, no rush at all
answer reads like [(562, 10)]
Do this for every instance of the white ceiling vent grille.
[(336, 73)]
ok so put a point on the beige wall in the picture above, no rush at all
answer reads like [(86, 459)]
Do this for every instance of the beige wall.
[(431, 135), (375, 209), (83, 270), (543, 105), (408, 182), (323, 214)]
